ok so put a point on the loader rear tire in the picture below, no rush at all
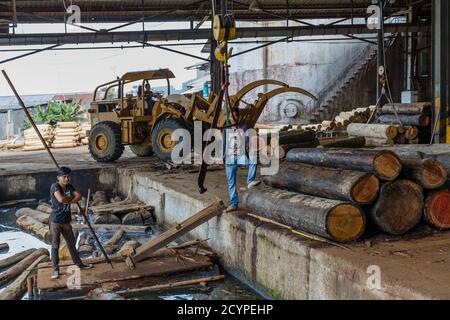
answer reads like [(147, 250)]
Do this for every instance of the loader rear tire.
[(161, 137), (142, 150), (105, 143)]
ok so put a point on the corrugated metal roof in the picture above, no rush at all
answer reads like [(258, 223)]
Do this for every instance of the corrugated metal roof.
[(11, 103), (176, 10)]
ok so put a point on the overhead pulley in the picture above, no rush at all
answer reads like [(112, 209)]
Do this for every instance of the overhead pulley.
[(224, 29)]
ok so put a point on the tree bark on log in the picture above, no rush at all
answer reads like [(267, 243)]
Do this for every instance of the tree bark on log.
[(35, 214), (372, 130), (384, 164), (437, 209), (15, 258), (106, 219), (407, 108), (137, 217), (34, 226), (333, 219), (350, 142), (429, 173), (296, 137), (346, 185), (17, 269), (17, 289), (378, 142), (398, 208), (419, 120)]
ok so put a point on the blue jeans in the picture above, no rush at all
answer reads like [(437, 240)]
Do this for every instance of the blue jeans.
[(231, 170)]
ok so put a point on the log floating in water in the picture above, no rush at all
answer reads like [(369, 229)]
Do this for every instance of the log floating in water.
[(332, 219), (406, 108), (129, 248), (358, 187), (38, 215), (16, 290), (34, 226), (112, 227), (419, 120), (4, 246), (17, 269), (105, 219), (15, 258), (384, 164), (398, 208), (437, 209), (429, 173), (372, 130), (136, 217)]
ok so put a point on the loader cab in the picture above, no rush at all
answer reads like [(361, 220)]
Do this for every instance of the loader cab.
[(127, 97)]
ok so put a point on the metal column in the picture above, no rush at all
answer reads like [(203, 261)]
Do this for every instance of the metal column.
[(441, 69), (380, 54)]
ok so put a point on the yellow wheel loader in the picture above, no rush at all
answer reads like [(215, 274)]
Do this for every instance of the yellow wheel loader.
[(146, 120)]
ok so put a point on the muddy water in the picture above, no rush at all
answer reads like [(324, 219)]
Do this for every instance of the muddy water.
[(229, 289)]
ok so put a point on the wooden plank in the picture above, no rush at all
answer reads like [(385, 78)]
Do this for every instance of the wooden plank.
[(173, 233), (103, 273)]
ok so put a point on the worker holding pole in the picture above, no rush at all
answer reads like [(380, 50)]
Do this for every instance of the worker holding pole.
[(62, 195)]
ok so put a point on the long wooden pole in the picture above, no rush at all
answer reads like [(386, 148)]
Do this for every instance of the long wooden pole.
[(54, 162)]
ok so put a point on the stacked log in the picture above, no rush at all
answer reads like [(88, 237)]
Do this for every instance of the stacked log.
[(343, 142), (375, 134), (35, 214), (398, 208), (410, 115), (296, 139), (34, 226), (67, 135), (346, 185), (384, 164), (333, 219), (32, 141), (437, 209)]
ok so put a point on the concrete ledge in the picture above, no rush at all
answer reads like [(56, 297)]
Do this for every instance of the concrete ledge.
[(282, 265)]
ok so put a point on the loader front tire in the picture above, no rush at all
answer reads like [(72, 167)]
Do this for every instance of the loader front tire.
[(105, 143), (162, 142)]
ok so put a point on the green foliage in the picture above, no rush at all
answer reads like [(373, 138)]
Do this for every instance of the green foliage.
[(57, 112)]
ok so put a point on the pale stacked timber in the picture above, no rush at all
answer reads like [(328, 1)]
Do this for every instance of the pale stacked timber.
[(32, 141), (67, 135), (84, 136)]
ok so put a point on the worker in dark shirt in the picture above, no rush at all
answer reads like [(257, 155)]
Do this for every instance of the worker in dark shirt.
[(62, 194)]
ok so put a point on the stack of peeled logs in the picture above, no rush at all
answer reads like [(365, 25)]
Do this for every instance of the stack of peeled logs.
[(329, 192), (67, 135), (32, 140)]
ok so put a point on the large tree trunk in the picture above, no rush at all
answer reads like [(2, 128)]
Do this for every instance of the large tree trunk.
[(17, 269), (296, 137), (358, 187), (136, 217), (437, 209), (105, 219), (384, 164), (407, 108), (372, 130), (398, 208), (419, 120), (332, 219), (38, 215), (350, 142), (15, 258), (17, 289), (429, 173)]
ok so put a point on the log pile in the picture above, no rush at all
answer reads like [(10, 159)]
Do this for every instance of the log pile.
[(67, 135), (32, 141), (84, 136), (415, 118), (328, 192)]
